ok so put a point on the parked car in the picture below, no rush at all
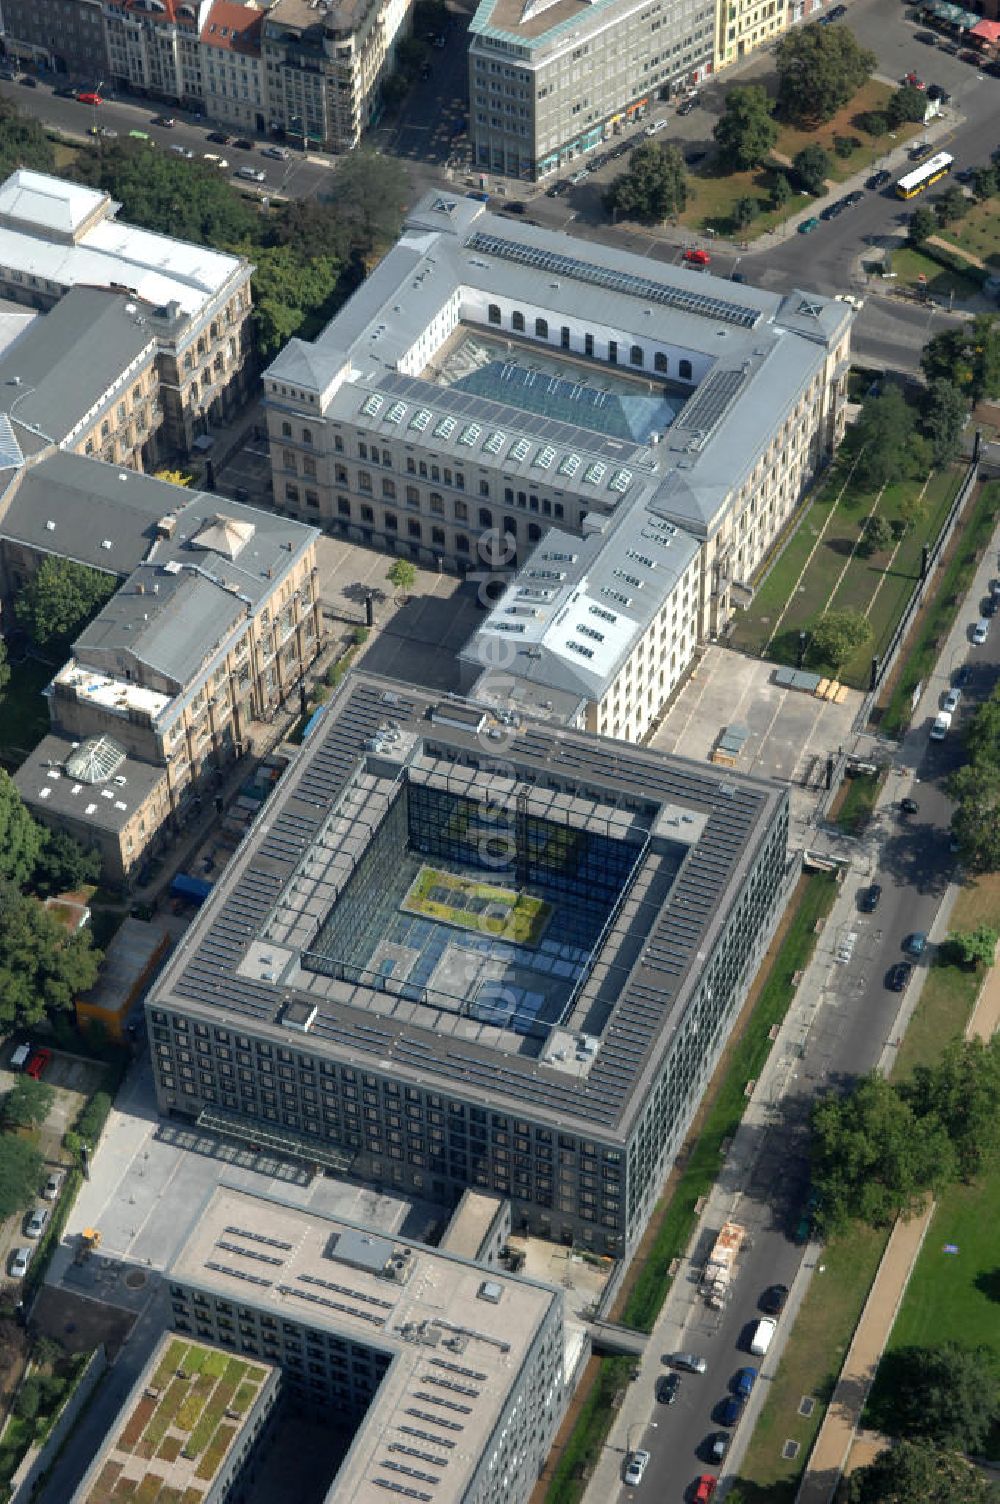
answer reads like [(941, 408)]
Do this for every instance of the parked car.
[(951, 701), (64, 92), (690, 1362), (182, 151), (897, 976), (730, 1411), (869, 900), (807, 226), (138, 135), (94, 99), (941, 726), (743, 1381), (52, 1186), (557, 188), (39, 1063), (687, 105), (980, 631), (35, 1225), (772, 1302), (704, 1488), (927, 37), (920, 151), (879, 179), (909, 806), (243, 144), (251, 174), (717, 1445), (915, 944), (28, 80), (667, 1388), (279, 153), (852, 198), (19, 1260), (655, 127), (219, 137), (215, 159), (167, 121), (635, 1465), (697, 257)]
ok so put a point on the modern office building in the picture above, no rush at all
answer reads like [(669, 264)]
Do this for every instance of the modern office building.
[(457, 952), (191, 1429), (491, 381), (212, 628), (325, 61), (195, 302), (451, 1372), (549, 80)]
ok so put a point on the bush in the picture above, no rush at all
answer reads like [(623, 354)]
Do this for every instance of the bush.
[(845, 145), (27, 1399), (359, 636), (874, 122), (90, 1123)]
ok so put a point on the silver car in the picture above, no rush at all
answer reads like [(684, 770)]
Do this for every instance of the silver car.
[(36, 1222), (19, 1261), (690, 1362)]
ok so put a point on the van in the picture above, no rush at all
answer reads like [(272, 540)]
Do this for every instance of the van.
[(762, 1336), (20, 1057)]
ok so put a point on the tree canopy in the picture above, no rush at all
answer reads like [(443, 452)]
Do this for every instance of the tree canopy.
[(60, 598), (63, 865), (967, 357), (906, 105), (23, 142), (945, 1394), (944, 411), (836, 635), (20, 1173), (885, 434), (288, 287), (819, 69), (961, 1090), (20, 834), (42, 969), (975, 787), (654, 186), (162, 192), (369, 192), (812, 167), (917, 1470), (922, 225), (747, 132), (27, 1104)]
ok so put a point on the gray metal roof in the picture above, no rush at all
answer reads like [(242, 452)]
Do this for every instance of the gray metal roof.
[(653, 955), (63, 365)]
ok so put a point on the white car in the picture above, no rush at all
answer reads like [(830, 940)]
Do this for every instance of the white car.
[(19, 1261), (213, 156), (182, 151), (251, 174), (941, 726), (635, 1466), (279, 153), (53, 1185), (951, 700), (655, 127), (981, 631)]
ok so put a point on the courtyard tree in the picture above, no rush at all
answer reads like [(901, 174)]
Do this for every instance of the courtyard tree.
[(873, 1158), (20, 1173), (946, 1395), (811, 167), (819, 69), (64, 865), (60, 598), (27, 1104), (914, 1470), (42, 968), (654, 187), (162, 192), (961, 1090), (747, 131), (984, 182), (403, 575), (944, 413), (23, 141), (885, 434), (968, 357), (369, 192), (836, 635), (20, 834), (289, 285)]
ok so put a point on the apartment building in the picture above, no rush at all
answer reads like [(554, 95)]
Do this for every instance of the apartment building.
[(214, 624), (234, 82), (452, 1373), (489, 382), (324, 61), (55, 235), (66, 36), (83, 378), (549, 80), (744, 26), (153, 47), (321, 1006)]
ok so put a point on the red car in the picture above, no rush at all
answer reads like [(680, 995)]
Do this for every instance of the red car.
[(705, 1489), (38, 1063), (90, 99), (697, 258)]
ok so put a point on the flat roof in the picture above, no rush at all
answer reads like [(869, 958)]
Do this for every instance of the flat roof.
[(699, 832), (474, 1216), (182, 1420), (457, 1335), (44, 784)]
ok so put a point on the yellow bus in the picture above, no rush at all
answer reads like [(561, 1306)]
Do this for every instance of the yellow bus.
[(922, 177)]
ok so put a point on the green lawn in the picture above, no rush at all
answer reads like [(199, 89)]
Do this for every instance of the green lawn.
[(855, 809), (978, 232), (819, 567), (910, 265), (24, 714), (517, 916), (946, 1001)]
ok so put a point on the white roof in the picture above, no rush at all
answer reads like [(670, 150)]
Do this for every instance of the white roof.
[(50, 203), (157, 268)]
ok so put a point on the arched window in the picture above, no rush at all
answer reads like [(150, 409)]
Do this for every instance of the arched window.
[(660, 362), (684, 370), (494, 313), (542, 328), (635, 355), (517, 321)]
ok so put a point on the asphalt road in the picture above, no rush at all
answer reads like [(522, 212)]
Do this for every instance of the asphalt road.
[(912, 861)]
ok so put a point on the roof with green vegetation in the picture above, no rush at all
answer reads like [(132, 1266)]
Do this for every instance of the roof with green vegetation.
[(182, 1420)]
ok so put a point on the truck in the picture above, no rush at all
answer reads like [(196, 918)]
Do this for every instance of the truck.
[(721, 1265)]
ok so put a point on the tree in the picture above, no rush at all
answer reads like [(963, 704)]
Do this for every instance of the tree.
[(60, 598), (20, 1173), (922, 225), (745, 211), (20, 834), (402, 574), (951, 205), (885, 433), (28, 1103), (23, 142), (27, 1399), (288, 288), (781, 190), (746, 132), (370, 193), (972, 948), (906, 105), (42, 969), (961, 1090), (394, 90), (161, 192), (819, 69), (654, 186), (877, 533), (873, 1158), (811, 166), (982, 732), (944, 412), (875, 122), (917, 1470), (64, 865), (976, 822), (968, 357), (836, 635), (945, 1394), (984, 182)]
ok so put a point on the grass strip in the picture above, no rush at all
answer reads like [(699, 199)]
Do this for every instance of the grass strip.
[(972, 537), (583, 1447), (855, 809), (746, 1059)]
